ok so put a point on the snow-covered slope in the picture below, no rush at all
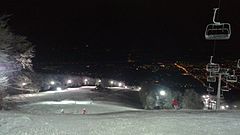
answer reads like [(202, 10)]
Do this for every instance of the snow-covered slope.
[(81, 94), (127, 123), (42, 115)]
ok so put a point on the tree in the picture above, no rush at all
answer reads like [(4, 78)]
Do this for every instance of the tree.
[(192, 100), (16, 54)]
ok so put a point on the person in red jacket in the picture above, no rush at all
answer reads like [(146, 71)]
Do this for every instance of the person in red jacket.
[(175, 104)]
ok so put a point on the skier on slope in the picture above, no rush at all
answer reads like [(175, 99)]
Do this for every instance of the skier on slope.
[(175, 104)]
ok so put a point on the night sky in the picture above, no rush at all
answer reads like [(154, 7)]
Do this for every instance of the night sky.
[(110, 30)]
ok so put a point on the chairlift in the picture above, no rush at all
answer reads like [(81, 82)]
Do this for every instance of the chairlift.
[(211, 78), (217, 30), (212, 67), (210, 88), (226, 88), (221, 31), (224, 71), (238, 63), (232, 78)]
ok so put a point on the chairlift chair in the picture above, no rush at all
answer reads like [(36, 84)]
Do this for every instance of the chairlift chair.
[(221, 31), (224, 71), (210, 88), (212, 67), (232, 78), (217, 30), (211, 78), (226, 88), (238, 63)]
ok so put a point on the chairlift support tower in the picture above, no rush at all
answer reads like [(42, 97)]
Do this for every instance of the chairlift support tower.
[(217, 31)]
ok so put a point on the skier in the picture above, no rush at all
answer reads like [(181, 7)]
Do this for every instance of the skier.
[(175, 104), (84, 111), (62, 111)]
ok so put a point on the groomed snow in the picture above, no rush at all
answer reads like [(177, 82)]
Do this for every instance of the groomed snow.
[(73, 107), (43, 116), (127, 123)]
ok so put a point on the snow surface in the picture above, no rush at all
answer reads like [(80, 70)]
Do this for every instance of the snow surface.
[(43, 116), (127, 123)]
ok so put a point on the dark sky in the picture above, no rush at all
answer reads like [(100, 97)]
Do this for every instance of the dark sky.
[(108, 30)]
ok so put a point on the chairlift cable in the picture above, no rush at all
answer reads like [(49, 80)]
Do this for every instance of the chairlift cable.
[(215, 42), (214, 47), (219, 4)]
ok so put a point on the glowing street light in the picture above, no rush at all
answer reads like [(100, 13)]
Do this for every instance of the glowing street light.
[(85, 81), (222, 107), (162, 93), (111, 82), (23, 84), (99, 81), (52, 82), (59, 88), (69, 81), (120, 84)]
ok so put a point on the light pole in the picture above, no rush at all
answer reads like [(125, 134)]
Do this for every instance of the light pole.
[(162, 92), (23, 84), (85, 81), (120, 84), (52, 82), (111, 82)]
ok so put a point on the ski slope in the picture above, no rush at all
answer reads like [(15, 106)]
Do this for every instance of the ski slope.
[(41, 115), (127, 123)]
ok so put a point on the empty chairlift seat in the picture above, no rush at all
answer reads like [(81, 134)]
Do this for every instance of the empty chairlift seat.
[(218, 31), (226, 88), (211, 78), (210, 88), (238, 63), (231, 78), (213, 67)]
